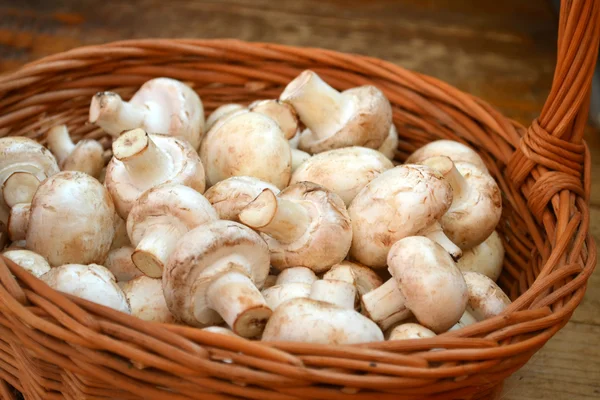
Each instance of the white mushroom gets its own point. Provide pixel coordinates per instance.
(362, 277)
(410, 331)
(142, 161)
(343, 171)
(159, 218)
(85, 156)
(466, 320)
(29, 261)
(341, 293)
(407, 200)
(90, 282)
(145, 296)
(282, 113)
(222, 112)
(18, 220)
(454, 150)
(120, 264)
(476, 205)
(121, 239)
(292, 283)
(231, 195)
(305, 225)
(486, 299)
(162, 105)
(247, 144)
(390, 144)
(485, 258)
(356, 117)
(298, 158)
(215, 273)
(270, 281)
(296, 275)
(425, 281)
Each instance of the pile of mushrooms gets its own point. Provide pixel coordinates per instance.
(281, 220)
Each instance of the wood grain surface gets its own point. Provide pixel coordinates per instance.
(501, 51)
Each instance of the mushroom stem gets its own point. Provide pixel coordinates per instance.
(339, 293)
(460, 186)
(237, 300)
(385, 305)
(18, 221)
(113, 115)
(60, 143)
(279, 218)
(152, 252)
(20, 188)
(144, 161)
(317, 103)
(436, 233)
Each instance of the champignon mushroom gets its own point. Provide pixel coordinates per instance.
(339, 292)
(282, 113)
(486, 299)
(90, 282)
(29, 261)
(407, 200)
(485, 258)
(312, 321)
(85, 156)
(343, 171)
(476, 204)
(305, 225)
(298, 158)
(70, 220)
(270, 281)
(292, 283)
(466, 320)
(247, 144)
(390, 144)
(425, 280)
(362, 277)
(162, 105)
(456, 151)
(159, 218)
(222, 112)
(142, 161)
(18, 221)
(24, 163)
(121, 239)
(356, 117)
(146, 299)
(296, 275)
(231, 195)
(120, 264)
(215, 273)
(410, 331)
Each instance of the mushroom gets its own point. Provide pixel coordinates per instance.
(298, 158)
(356, 117)
(485, 258)
(313, 321)
(292, 283)
(295, 140)
(222, 112)
(215, 273)
(362, 277)
(476, 204)
(70, 220)
(162, 105)
(146, 299)
(231, 195)
(456, 151)
(247, 144)
(343, 171)
(29, 261)
(120, 264)
(85, 156)
(90, 282)
(305, 225)
(270, 281)
(425, 281)
(282, 113)
(486, 299)
(341, 293)
(390, 144)
(18, 221)
(121, 239)
(466, 320)
(407, 200)
(24, 163)
(142, 161)
(159, 218)
(17, 245)
(410, 331)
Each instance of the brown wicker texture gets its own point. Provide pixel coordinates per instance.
(54, 346)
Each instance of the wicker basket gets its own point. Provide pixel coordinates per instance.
(54, 346)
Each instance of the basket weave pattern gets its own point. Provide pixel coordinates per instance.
(55, 346)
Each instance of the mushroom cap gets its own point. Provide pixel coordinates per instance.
(171, 204)
(29, 261)
(485, 258)
(120, 264)
(221, 112)
(202, 255)
(247, 144)
(410, 331)
(343, 171)
(470, 222)
(456, 151)
(486, 299)
(312, 321)
(278, 294)
(298, 158)
(364, 278)
(21, 154)
(185, 168)
(146, 299)
(231, 195)
(87, 156)
(328, 237)
(433, 287)
(400, 202)
(71, 220)
(296, 275)
(180, 107)
(90, 282)
(282, 113)
(390, 144)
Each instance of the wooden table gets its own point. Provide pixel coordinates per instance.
(501, 51)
